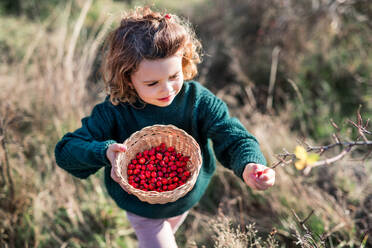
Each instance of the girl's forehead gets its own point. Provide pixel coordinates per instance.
(148, 69)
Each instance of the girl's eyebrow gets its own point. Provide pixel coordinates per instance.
(151, 81)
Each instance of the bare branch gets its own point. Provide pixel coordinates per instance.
(327, 161)
(347, 146)
(334, 124)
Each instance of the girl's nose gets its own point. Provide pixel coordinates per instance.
(167, 87)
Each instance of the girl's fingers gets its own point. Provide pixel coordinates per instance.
(112, 151)
(113, 174)
(259, 177)
(266, 179)
(118, 147)
(267, 174)
(265, 184)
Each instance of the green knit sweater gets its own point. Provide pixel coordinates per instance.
(195, 110)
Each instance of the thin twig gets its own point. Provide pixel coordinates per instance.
(302, 222)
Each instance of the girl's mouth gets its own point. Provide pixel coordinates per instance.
(165, 99)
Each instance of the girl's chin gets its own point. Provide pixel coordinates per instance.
(163, 104)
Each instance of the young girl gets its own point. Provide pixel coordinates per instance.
(149, 61)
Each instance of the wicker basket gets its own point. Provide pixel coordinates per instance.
(153, 136)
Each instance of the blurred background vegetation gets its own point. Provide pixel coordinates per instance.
(284, 67)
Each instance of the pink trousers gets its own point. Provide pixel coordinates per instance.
(156, 233)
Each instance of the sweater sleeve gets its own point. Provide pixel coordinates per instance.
(233, 145)
(83, 152)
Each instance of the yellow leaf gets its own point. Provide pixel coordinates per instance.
(300, 165)
(304, 158)
(312, 158)
(301, 153)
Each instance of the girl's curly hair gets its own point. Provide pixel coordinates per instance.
(145, 34)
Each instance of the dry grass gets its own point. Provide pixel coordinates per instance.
(44, 94)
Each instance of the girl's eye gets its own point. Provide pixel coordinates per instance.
(174, 76)
(152, 84)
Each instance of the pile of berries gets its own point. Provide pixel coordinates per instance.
(158, 169)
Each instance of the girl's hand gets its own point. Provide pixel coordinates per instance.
(258, 176)
(111, 154)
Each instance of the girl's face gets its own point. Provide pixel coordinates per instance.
(158, 81)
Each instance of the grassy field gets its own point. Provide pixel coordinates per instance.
(49, 81)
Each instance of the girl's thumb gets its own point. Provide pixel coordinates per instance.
(120, 148)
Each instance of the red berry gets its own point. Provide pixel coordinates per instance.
(159, 156)
(148, 174)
